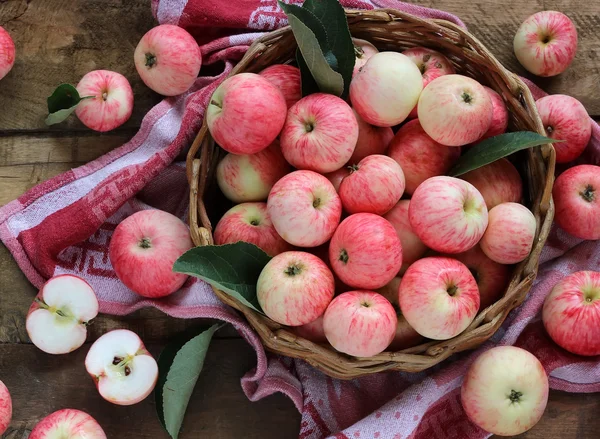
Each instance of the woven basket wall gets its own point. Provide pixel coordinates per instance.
(394, 30)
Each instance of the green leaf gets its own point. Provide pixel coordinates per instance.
(180, 365)
(232, 268)
(59, 116)
(309, 85)
(311, 21)
(62, 102)
(495, 148)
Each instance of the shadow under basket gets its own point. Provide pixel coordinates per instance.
(396, 31)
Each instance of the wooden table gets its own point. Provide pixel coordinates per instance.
(61, 40)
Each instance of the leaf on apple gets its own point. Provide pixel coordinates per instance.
(495, 148)
(180, 364)
(62, 102)
(232, 268)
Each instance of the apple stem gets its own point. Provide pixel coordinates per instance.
(145, 243)
(588, 193)
(343, 256)
(466, 97)
(358, 52)
(365, 304)
(316, 202)
(150, 60)
(515, 396)
(215, 103)
(353, 168)
(549, 129)
(104, 96)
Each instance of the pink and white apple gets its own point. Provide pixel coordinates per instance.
(419, 155)
(250, 177)
(336, 177)
(505, 391)
(108, 101)
(5, 408)
(124, 372)
(58, 318)
(374, 185)
(545, 43)
(304, 208)
(365, 251)
(571, 313)
(431, 63)
(500, 114)
(246, 113)
(491, 277)
(439, 297)
(287, 79)
(250, 222)
(371, 140)
(510, 233)
(320, 133)
(360, 323)
(67, 423)
(363, 51)
(449, 215)
(455, 110)
(168, 59)
(412, 246)
(499, 182)
(7, 52)
(143, 249)
(295, 288)
(405, 337)
(577, 201)
(565, 118)
(386, 89)
(312, 331)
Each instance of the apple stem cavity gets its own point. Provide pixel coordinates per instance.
(293, 270)
(344, 256)
(549, 129)
(452, 290)
(309, 126)
(316, 202)
(255, 222)
(216, 104)
(145, 243)
(358, 52)
(515, 396)
(365, 304)
(104, 95)
(353, 168)
(466, 97)
(588, 194)
(150, 60)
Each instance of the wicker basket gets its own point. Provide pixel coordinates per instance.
(394, 30)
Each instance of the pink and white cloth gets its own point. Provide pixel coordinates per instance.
(64, 225)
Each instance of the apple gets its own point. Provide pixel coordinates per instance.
(108, 101)
(287, 79)
(412, 246)
(246, 113)
(320, 133)
(7, 52)
(455, 110)
(449, 215)
(365, 251)
(124, 372)
(491, 277)
(250, 177)
(58, 318)
(304, 208)
(250, 222)
(545, 43)
(67, 423)
(499, 182)
(168, 59)
(419, 155)
(571, 313)
(143, 249)
(439, 297)
(374, 185)
(500, 114)
(371, 140)
(363, 51)
(405, 337)
(294, 288)
(336, 177)
(431, 63)
(360, 323)
(312, 331)
(565, 118)
(5, 408)
(505, 391)
(575, 197)
(386, 89)
(510, 233)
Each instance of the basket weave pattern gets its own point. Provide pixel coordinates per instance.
(394, 30)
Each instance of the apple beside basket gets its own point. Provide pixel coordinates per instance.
(393, 30)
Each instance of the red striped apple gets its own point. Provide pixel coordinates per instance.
(374, 185)
(505, 391)
(500, 114)
(449, 215)
(7, 52)
(439, 297)
(572, 311)
(363, 51)
(360, 323)
(499, 182)
(295, 288)
(455, 110)
(287, 79)
(365, 251)
(312, 331)
(67, 423)
(412, 247)
(319, 134)
(371, 140)
(5, 408)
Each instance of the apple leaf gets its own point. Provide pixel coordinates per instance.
(495, 148)
(309, 19)
(309, 85)
(232, 268)
(62, 102)
(180, 364)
